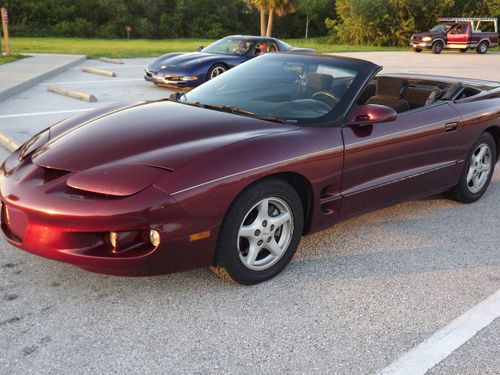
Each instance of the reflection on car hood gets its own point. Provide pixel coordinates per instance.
(162, 134)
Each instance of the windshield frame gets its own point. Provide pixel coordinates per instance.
(441, 28)
(282, 45)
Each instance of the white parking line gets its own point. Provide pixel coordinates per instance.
(104, 80)
(45, 113)
(445, 341)
(113, 66)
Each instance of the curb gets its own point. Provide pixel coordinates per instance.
(72, 93)
(8, 143)
(111, 60)
(32, 82)
(102, 72)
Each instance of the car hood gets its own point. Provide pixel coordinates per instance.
(299, 49)
(426, 33)
(176, 60)
(161, 134)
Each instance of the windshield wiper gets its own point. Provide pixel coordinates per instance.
(177, 95)
(226, 108)
(240, 111)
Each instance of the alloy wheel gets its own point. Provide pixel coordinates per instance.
(265, 233)
(217, 71)
(479, 168)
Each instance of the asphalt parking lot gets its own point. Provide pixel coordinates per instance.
(354, 300)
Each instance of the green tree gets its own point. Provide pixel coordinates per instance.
(426, 12)
(280, 8)
(270, 8)
(313, 9)
(391, 22)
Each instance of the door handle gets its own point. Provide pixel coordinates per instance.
(451, 126)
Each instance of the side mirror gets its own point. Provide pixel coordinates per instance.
(174, 97)
(200, 48)
(370, 114)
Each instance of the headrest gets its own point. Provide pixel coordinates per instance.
(391, 86)
(318, 81)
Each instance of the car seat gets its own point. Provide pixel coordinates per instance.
(418, 97)
(315, 82)
(390, 92)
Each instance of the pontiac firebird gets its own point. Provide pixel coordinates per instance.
(233, 173)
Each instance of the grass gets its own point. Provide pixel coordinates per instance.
(11, 58)
(152, 48)
(322, 45)
(94, 48)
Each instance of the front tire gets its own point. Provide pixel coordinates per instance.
(437, 47)
(215, 70)
(478, 170)
(260, 233)
(482, 48)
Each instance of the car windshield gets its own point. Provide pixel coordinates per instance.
(441, 28)
(283, 46)
(229, 46)
(282, 87)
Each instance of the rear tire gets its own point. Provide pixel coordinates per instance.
(260, 233)
(478, 170)
(463, 50)
(482, 48)
(437, 47)
(418, 50)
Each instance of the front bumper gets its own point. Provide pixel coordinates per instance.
(421, 44)
(73, 226)
(167, 81)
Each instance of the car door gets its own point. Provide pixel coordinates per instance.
(458, 37)
(391, 161)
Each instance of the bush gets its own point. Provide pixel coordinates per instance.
(79, 27)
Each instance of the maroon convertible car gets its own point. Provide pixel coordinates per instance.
(233, 173)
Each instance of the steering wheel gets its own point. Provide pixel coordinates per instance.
(326, 97)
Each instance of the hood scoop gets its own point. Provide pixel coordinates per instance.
(119, 180)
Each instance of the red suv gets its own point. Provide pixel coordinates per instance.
(458, 33)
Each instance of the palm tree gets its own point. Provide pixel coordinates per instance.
(280, 7)
(262, 6)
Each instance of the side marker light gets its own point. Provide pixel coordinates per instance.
(199, 236)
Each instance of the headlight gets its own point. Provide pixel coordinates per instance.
(426, 39)
(34, 143)
(180, 78)
(130, 240)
